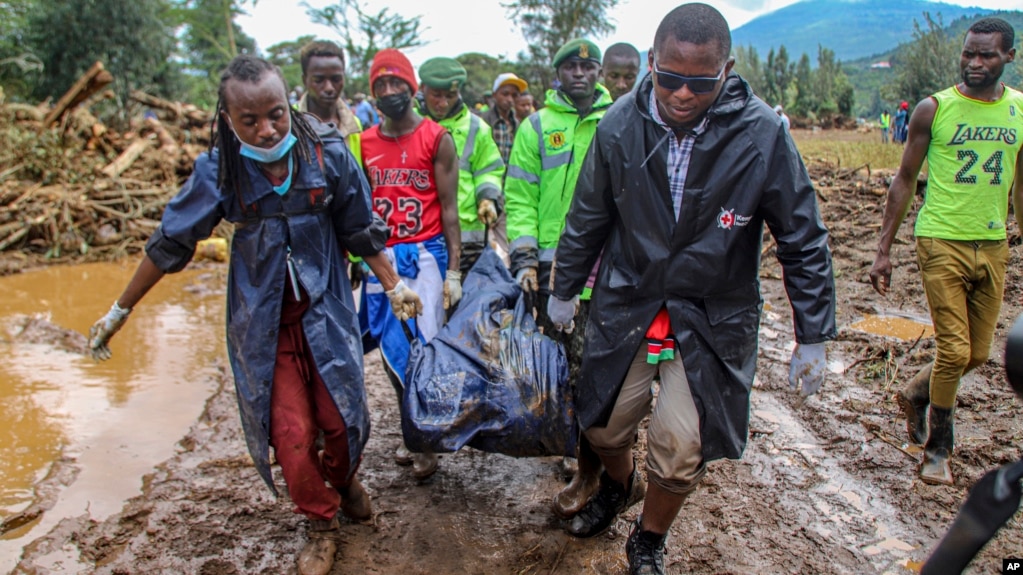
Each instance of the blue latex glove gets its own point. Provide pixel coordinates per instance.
(808, 366)
(562, 313)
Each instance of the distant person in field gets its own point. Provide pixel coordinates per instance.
(365, 111)
(901, 128)
(292, 334)
(621, 68)
(886, 124)
(681, 177)
(970, 134)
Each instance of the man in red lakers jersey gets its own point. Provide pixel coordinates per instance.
(410, 162)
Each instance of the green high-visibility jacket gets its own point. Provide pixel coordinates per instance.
(543, 167)
(480, 168)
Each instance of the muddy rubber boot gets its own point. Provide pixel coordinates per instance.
(402, 456)
(355, 502)
(317, 557)
(611, 499)
(935, 468)
(645, 550)
(913, 399)
(584, 483)
(424, 465)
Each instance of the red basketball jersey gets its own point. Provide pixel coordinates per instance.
(400, 171)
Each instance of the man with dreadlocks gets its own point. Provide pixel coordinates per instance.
(297, 204)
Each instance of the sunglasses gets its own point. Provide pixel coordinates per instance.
(697, 85)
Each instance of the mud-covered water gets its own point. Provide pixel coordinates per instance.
(100, 427)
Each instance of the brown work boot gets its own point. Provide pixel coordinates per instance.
(935, 468)
(913, 399)
(584, 483)
(317, 557)
(424, 465)
(355, 502)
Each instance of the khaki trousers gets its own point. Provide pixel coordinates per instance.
(964, 282)
(674, 458)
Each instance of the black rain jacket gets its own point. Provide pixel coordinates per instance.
(745, 171)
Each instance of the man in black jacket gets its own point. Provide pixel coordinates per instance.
(680, 179)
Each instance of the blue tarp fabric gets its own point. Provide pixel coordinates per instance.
(489, 379)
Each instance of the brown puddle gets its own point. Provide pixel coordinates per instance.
(115, 420)
(899, 327)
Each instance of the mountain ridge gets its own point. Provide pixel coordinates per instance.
(854, 29)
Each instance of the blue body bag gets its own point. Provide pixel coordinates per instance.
(489, 379)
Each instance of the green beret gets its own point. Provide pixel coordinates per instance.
(442, 74)
(578, 48)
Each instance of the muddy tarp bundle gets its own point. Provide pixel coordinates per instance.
(489, 379)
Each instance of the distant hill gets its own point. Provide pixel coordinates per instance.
(852, 28)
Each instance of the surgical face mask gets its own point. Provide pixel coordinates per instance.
(394, 106)
(268, 155)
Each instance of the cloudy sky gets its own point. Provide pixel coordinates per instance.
(484, 26)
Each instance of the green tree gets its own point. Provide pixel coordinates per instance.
(211, 38)
(481, 70)
(548, 24)
(288, 57)
(364, 34)
(748, 65)
(930, 64)
(19, 67)
(133, 39)
(806, 95)
(778, 74)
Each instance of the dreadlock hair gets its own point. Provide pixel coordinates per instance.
(993, 25)
(248, 68)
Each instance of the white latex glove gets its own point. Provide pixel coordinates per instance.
(562, 313)
(527, 279)
(452, 289)
(487, 212)
(104, 329)
(808, 366)
(405, 303)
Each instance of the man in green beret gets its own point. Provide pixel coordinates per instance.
(545, 161)
(480, 168)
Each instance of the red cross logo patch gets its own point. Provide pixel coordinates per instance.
(726, 219)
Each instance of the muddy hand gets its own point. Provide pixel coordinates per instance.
(808, 366)
(405, 303)
(104, 329)
(452, 289)
(526, 278)
(487, 212)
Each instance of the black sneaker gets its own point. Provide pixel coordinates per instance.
(601, 510)
(645, 550)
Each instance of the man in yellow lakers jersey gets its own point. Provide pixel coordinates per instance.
(970, 135)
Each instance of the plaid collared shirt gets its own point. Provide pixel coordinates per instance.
(504, 135)
(680, 151)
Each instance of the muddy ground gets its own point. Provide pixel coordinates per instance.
(826, 487)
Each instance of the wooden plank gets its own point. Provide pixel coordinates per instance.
(94, 80)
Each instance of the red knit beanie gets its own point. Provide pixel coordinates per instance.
(391, 62)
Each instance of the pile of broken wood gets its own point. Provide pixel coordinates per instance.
(73, 189)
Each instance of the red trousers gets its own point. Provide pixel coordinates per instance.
(300, 408)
